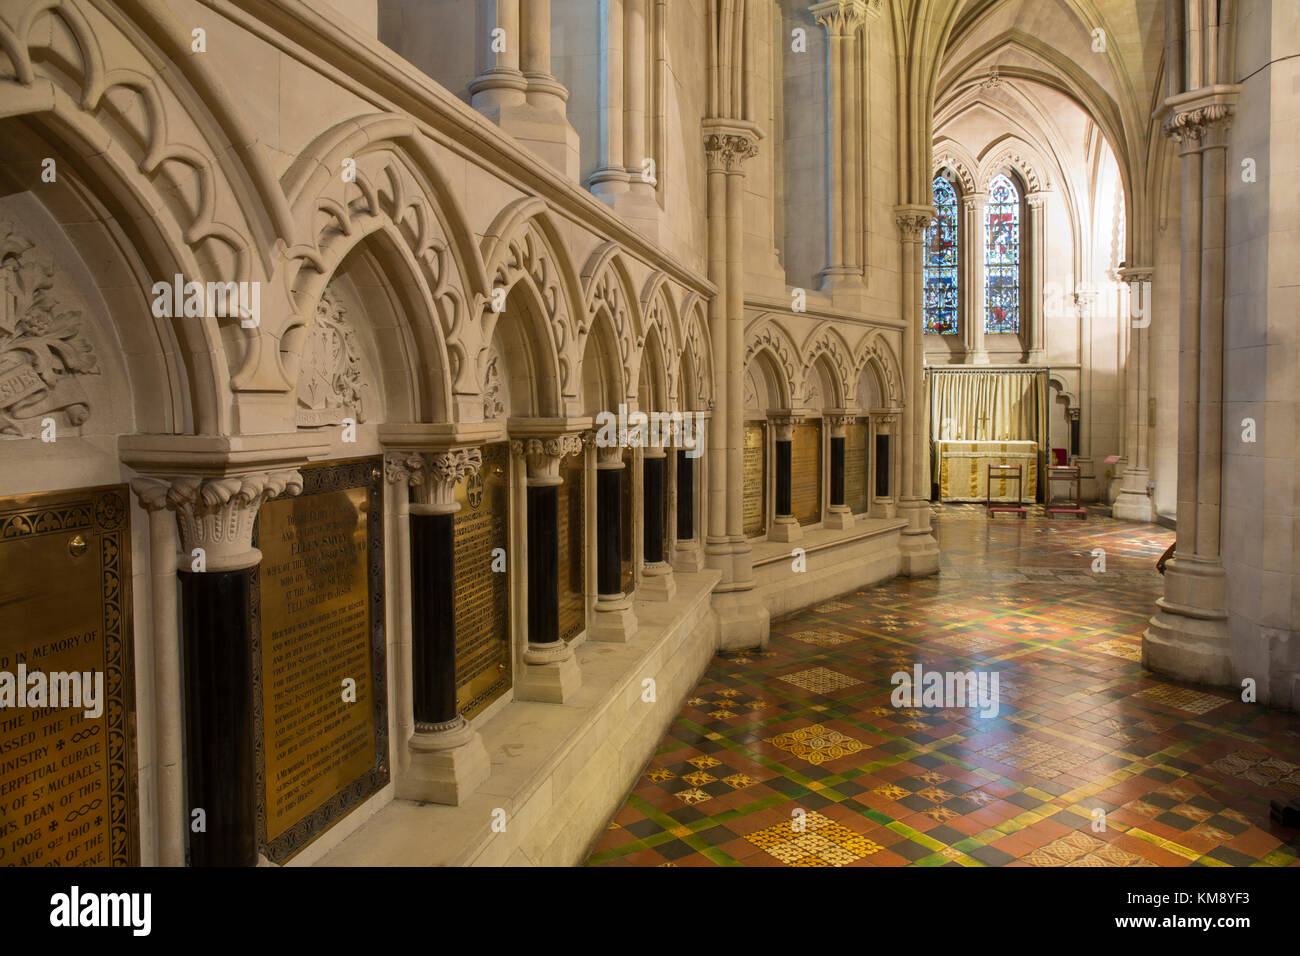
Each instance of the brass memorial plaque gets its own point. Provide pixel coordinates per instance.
(754, 486)
(318, 625)
(855, 467)
(482, 586)
(806, 472)
(67, 706)
(571, 526)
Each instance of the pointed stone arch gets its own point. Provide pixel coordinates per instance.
(659, 312)
(523, 253)
(767, 337)
(697, 371)
(827, 343)
(608, 287)
(876, 357)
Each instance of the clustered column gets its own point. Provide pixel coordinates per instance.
(1134, 501)
(973, 206)
(843, 20)
(920, 552)
(1188, 636)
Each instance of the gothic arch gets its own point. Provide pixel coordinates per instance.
(1013, 153)
(659, 312)
(768, 338)
(374, 177)
(875, 356)
(607, 286)
(951, 155)
(523, 254)
(695, 343)
(827, 343)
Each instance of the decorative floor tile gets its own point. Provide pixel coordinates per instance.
(1184, 698)
(1185, 775)
(816, 744)
(820, 680)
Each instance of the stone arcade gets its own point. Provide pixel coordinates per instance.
(310, 333)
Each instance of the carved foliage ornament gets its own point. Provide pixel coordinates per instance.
(42, 349)
(729, 150)
(1192, 126)
(331, 384)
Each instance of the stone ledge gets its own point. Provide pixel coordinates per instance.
(559, 771)
(838, 562)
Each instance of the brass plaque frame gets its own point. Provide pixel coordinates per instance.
(806, 456)
(856, 466)
(101, 518)
(490, 488)
(754, 479)
(365, 473)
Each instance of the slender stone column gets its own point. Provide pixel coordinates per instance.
(516, 89)
(216, 515)
(169, 720)
(717, 546)
(500, 84)
(613, 619)
(973, 207)
(657, 581)
(1036, 347)
(843, 21)
(635, 92)
(550, 672)
(839, 516)
(446, 759)
(1134, 501)
(1188, 636)
(743, 619)
(784, 525)
(611, 179)
(920, 552)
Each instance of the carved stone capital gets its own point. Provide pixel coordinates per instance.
(884, 423)
(1199, 126)
(838, 423)
(543, 456)
(404, 468)
(728, 151)
(1132, 274)
(912, 220)
(445, 469)
(609, 457)
(216, 514)
(842, 17)
(783, 426)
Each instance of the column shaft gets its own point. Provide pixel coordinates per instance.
(433, 622)
(782, 503)
(653, 512)
(219, 715)
(543, 564)
(609, 523)
(1189, 357)
(685, 497)
(837, 471)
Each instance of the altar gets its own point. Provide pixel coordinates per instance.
(963, 469)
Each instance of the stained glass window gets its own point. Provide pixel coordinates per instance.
(1002, 258)
(940, 269)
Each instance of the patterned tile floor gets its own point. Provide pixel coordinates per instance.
(795, 755)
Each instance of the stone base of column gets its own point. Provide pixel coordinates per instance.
(657, 582)
(1133, 503)
(845, 286)
(550, 674)
(1187, 638)
(638, 206)
(883, 508)
(688, 558)
(444, 765)
(839, 518)
(784, 528)
(919, 550)
(612, 620)
(743, 620)
(977, 357)
(546, 131)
